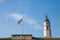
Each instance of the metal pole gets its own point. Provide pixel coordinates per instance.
(22, 31)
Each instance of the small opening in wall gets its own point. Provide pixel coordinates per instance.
(47, 27)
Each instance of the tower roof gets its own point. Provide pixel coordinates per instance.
(46, 19)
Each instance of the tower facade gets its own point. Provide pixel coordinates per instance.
(47, 28)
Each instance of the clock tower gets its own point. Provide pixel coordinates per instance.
(47, 28)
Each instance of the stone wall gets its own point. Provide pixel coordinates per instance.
(22, 37)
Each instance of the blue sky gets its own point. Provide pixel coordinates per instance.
(33, 13)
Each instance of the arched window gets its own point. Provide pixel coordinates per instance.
(47, 27)
(46, 23)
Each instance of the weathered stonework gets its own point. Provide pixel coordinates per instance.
(21, 37)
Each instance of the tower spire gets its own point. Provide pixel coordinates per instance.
(46, 19)
(46, 16)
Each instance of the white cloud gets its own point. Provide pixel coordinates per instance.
(27, 19)
(16, 16)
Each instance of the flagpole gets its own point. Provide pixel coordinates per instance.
(22, 31)
(22, 28)
(20, 22)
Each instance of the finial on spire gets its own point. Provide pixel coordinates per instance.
(46, 19)
(46, 16)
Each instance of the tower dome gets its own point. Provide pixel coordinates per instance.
(46, 19)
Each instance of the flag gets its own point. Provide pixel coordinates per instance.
(20, 22)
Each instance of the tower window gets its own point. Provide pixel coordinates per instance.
(46, 23)
(47, 27)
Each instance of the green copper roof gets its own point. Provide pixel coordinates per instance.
(46, 19)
